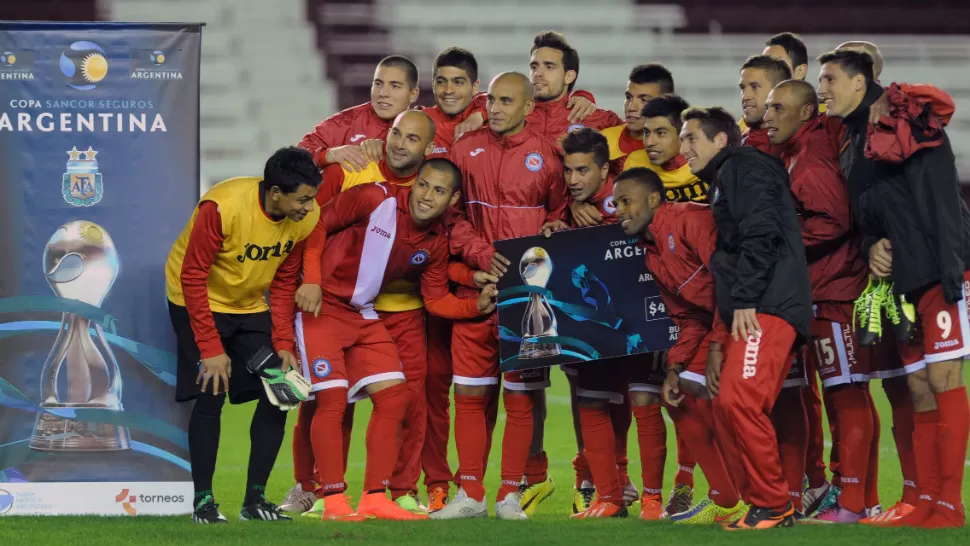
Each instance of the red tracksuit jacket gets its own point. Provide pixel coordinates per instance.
(679, 258)
(351, 126)
(444, 125)
(603, 201)
(511, 186)
(551, 119)
(835, 268)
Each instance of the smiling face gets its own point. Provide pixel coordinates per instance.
(453, 89)
(696, 147)
(840, 92)
(754, 85)
(431, 195)
(660, 140)
(390, 93)
(408, 141)
(635, 206)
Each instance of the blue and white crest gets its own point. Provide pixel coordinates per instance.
(608, 205)
(670, 241)
(534, 161)
(321, 367)
(81, 185)
(575, 127)
(419, 257)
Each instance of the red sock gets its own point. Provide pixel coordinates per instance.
(901, 401)
(622, 417)
(929, 481)
(815, 454)
(599, 445)
(516, 441)
(855, 427)
(326, 439)
(872, 472)
(791, 427)
(536, 468)
(834, 453)
(652, 437)
(491, 417)
(954, 429)
(692, 424)
(685, 462)
(383, 442)
(302, 446)
(470, 439)
(581, 466)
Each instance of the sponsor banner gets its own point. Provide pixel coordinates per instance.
(578, 296)
(99, 169)
(96, 499)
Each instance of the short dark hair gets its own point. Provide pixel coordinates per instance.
(288, 169)
(555, 40)
(446, 166)
(645, 176)
(459, 58)
(803, 91)
(853, 62)
(587, 141)
(405, 64)
(793, 45)
(776, 69)
(653, 73)
(716, 120)
(669, 106)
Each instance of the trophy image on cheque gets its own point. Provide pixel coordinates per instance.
(539, 320)
(80, 263)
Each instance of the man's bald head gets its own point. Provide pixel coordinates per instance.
(866, 47)
(511, 97)
(802, 93)
(791, 104)
(409, 140)
(417, 122)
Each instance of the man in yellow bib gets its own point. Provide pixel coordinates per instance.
(245, 237)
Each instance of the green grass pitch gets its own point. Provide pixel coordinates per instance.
(550, 526)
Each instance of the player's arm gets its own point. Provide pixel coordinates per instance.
(557, 199)
(755, 200)
(434, 290)
(282, 302)
(939, 100)
(329, 133)
(824, 199)
(461, 274)
(204, 244)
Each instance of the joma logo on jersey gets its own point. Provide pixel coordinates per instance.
(751, 356)
(257, 253)
(381, 232)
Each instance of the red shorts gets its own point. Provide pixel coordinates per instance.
(945, 326)
(696, 371)
(892, 359)
(838, 355)
(475, 357)
(339, 351)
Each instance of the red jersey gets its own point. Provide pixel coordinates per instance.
(370, 240)
(551, 119)
(679, 258)
(603, 201)
(351, 126)
(444, 125)
(835, 267)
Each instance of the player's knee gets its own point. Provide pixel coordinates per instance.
(643, 398)
(471, 390)
(208, 406)
(945, 376)
(595, 403)
(379, 386)
(693, 388)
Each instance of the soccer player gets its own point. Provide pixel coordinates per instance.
(679, 239)
(763, 297)
(371, 237)
(512, 185)
(245, 237)
(900, 205)
(646, 82)
(459, 107)
(838, 276)
(339, 138)
(759, 74)
(790, 48)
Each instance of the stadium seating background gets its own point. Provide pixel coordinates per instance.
(273, 69)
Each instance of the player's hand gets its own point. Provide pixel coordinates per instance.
(373, 149)
(218, 369)
(500, 265)
(745, 324)
(585, 215)
(471, 123)
(879, 108)
(550, 227)
(351, 157)
(579, 108)
(487, 299)
(484, 278)
(715, 358)
(289, 361)
(881, 259)
(671, 389)
(309, 298)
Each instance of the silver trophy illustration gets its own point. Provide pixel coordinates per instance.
(539, 320)
(80, 263)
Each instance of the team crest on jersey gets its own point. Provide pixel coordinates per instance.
(321, 367)
(575, 127)
(670, 241)
(419, 257)
(608, 205)
(533, 161)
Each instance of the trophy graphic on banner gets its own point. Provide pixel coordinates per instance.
(539, 320)
(81, 372)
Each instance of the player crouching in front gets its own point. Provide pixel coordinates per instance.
(372, 235)
(245, 236)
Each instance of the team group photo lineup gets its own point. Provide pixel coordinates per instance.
(775, 287)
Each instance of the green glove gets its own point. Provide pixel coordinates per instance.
(285, 391)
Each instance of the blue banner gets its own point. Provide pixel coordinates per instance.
(99, 165)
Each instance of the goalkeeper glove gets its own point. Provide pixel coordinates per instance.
(285, 390)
